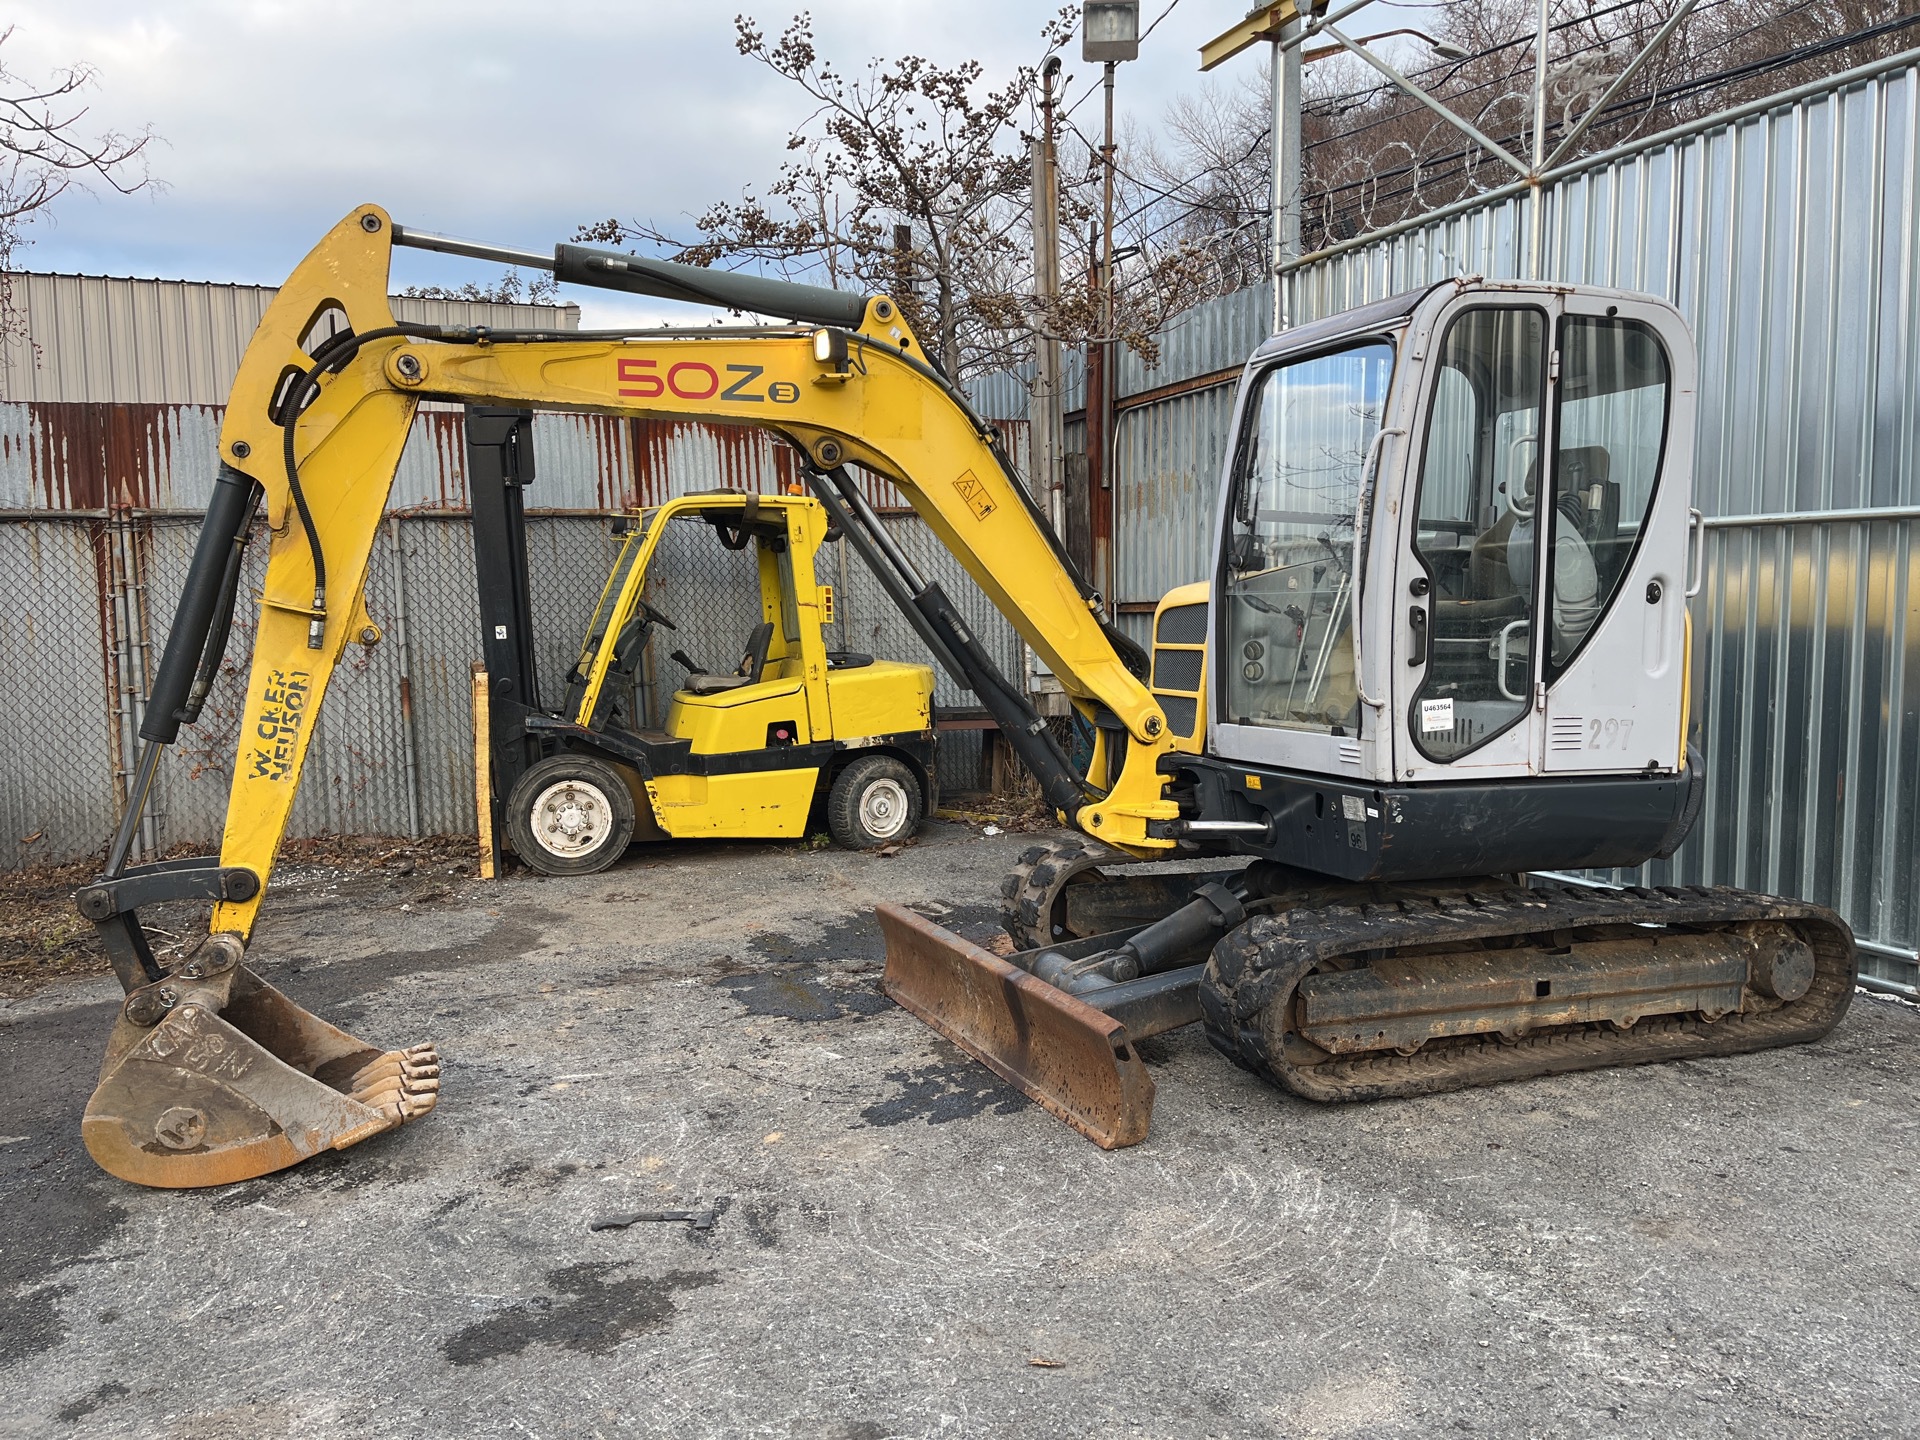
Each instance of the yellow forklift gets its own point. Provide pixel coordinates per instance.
(791, 733)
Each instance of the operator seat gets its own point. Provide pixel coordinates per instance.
(1488, 577)
(751, 666)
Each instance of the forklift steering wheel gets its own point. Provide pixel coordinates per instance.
(656, 617)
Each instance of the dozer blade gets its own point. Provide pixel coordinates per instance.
(1075, 1060)
(224, 1091)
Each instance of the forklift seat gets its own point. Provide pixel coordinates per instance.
(752, 664)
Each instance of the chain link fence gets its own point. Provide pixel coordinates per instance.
(91, 601)
(56, 707)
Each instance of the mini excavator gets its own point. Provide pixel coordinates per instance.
(1444, 644)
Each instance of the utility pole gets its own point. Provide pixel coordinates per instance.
(1286, 164)
(1280, 23)
(1046, 427)
(1106, 223)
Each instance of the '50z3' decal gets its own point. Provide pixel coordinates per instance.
(697, 380)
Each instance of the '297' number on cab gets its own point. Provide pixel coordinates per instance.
(697, 380)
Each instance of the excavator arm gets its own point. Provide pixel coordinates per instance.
(858, 395)
(211, 1075)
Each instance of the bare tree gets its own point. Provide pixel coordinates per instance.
(914, 178)
(46, 149)
(907, 143)
(509, 289)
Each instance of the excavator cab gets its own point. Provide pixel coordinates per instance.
(1453, 551)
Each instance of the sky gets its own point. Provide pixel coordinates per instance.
(504, 122)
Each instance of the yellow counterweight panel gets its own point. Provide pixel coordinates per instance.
(1180, 664)
(884, 698)
(737, 720)
(755, 805)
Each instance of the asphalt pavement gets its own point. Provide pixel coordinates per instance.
(899, 1244)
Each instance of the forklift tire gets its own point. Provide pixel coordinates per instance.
(570, 815)
(874, 801)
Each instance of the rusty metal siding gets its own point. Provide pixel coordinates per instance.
(1168, 455)
(109, 339)
(61, 457)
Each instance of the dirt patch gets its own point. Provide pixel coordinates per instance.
(1021, 813)
(44, 940)
(42, 937)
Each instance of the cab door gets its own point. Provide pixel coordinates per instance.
(1468, 613)
(1614, 662)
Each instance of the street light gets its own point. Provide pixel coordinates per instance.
(1109, 34)
(1110, 30)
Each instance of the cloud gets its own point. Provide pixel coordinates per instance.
(494, 120)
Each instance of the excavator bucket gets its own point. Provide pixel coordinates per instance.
(227, 1086)
(1075, 1060)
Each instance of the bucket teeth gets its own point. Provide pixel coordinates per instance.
(405, 1083)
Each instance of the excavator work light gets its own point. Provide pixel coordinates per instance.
(830, 348)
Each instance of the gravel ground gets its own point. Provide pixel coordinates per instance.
(905, 1246)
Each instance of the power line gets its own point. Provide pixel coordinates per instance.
(1797, 55)
(1488, 84)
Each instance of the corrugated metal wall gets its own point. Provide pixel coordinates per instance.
(93, 339)
(1791, 241)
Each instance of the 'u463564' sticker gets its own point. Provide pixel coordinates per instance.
(276, 729)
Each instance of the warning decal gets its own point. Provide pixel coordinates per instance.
(975, 494)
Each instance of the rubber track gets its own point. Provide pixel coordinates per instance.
(1258, 966)
(1029, 891)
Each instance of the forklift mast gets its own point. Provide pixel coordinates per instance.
(499, 468)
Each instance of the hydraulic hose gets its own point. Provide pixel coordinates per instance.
(334, 352)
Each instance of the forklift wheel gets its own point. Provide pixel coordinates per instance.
(874, 800)
(570, 815)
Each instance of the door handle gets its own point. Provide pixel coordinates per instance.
(1500, 669)
(1417, 623)
(1368, 472)
(1697, 523)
